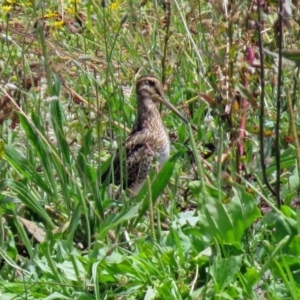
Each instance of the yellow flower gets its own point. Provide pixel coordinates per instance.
(7, 8)
(235, 106)
(51, 15)
(59, 24)
(115, 5)
(11, 1)
(71, 10)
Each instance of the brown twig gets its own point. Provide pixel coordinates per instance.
(278, 104)
(262, 103)
(166, 40)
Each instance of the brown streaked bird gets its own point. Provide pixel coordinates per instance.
(148, 138)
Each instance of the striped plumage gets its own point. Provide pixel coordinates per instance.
(148, 138)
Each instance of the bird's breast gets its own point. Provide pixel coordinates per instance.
(163, 156)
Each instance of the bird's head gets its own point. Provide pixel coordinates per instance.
(149, 86)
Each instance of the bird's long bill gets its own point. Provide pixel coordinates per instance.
(174, 109)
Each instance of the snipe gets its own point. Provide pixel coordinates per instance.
(148, 138)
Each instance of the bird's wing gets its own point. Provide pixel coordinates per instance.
(132, 160)
(138, 137)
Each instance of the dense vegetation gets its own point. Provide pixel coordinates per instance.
(220, 220)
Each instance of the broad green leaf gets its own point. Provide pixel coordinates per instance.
(294, 248)
(70, 272)
(227, 222)
(182, 243)
(285, 224)
(56, 296)
(224, 270)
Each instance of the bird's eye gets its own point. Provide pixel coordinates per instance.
(151, 82)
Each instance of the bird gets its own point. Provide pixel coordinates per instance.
(148, 139)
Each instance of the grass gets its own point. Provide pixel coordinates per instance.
(209, 225)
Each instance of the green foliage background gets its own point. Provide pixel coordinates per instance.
(206, 226)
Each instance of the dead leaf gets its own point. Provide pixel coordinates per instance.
(38, 233)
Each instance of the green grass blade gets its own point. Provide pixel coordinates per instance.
(23, 167)
(27, 197)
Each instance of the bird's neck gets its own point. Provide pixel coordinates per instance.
(148, 115)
